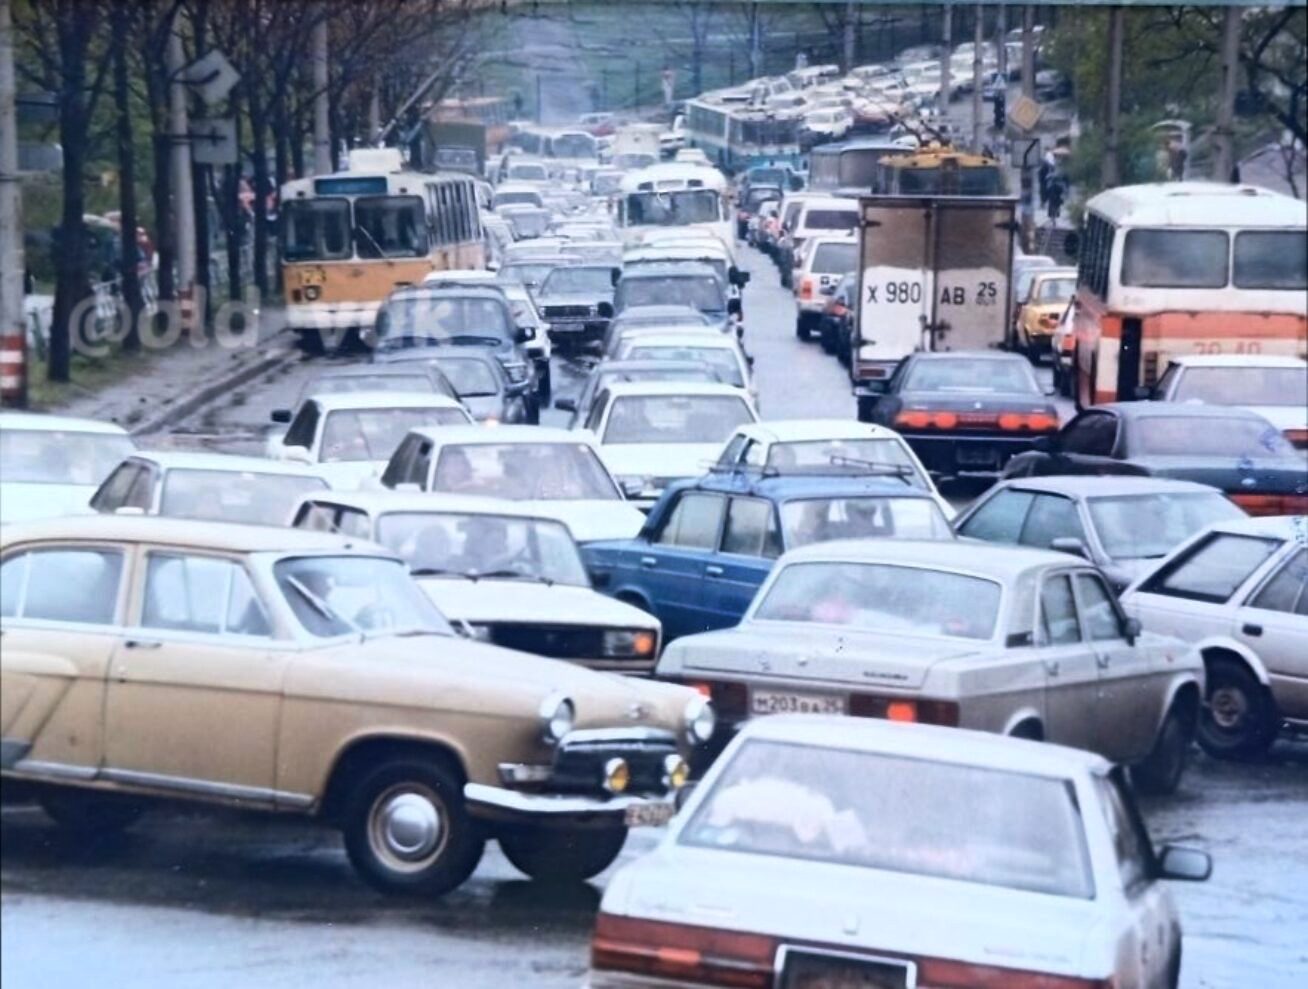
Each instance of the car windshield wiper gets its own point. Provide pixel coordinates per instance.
(475, 338)
(438, 572)
(515, 575)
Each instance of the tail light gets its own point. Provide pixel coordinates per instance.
(927, 711)
(806, 287)
(940, 973)
(922, 419)
(699, 955)
(1068, 343)
(730, 699)
(1272, 504)
(1297, 438)
(1036, 422)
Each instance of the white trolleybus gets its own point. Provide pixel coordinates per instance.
(675, 195)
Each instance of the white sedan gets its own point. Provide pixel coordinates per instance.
(1239, 592)
(348, 438)
(815, 446)
(1276, 387)
(824, 852)
(53, 464)
(652, 433)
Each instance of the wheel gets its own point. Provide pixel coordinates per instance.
(865, 409)
(1239, 720)
(544, 384)
(827, 337)
(802, 328)
(90, 813)
(311, 342)
(552, 855)
(531, 406)
(407, 830)
(1160, 771)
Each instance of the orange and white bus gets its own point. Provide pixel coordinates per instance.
(348, 239)
(1185, 268)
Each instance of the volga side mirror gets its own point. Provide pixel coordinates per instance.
(614, 275)
(1070, 544)
(566, 404)
(733, 307)
(280, 415)
(1184, 864)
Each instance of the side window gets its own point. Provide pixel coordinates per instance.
(200, 594)
(1058, 612)
(301, 431)
(596, 415)
(754, 451)
(1000, 519)
(694, 522)
(352, 522)
(1287, 591)
(1051, 517)
(62, 585)
(731, 452)
(1092, 434)
(141, 493)
(420, 466)
(1213, 569)
(1126, 830)
(113, 492)
(316, 516)
(1098, 613)
(397, 469)
(751, 529)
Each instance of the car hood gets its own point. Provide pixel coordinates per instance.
(350, 474)
(24, 502)
(573, 299)
(809, 652)
(828, 904)
(521, 602)
(1269, 475)
(454, 673)
(482, 407)
(594, 518)
(660, 459)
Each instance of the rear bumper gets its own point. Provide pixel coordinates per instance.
(960, 454)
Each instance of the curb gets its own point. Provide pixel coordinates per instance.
(191, 402)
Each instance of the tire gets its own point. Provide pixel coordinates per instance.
(802, 327)
(531, 406)
(1161, 770)
(1239, 720)
(557, 856)
(311, 342)
(827, 337)
(544, 384)
(865, 409)
(407, 830)
(88, 813)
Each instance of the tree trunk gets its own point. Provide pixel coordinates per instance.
(128, 265)
(162, 187)
(259, 143)
(200, 185)
(72, 278)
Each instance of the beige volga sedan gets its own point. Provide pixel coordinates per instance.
(1022, 642)
(303, 673)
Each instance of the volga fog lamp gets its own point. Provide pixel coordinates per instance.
(675, 772)
(617, 775)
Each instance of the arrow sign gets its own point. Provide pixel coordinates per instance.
(211, 76)
(213, 140)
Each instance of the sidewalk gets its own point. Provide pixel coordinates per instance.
(166, 386)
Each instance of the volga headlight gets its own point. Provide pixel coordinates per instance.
(629, 642)
(557, 716)
(699, 720)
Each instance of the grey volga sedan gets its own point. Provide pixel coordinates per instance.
(1123, 525)
(1021, 642)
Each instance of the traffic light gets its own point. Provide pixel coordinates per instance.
(1000, 110)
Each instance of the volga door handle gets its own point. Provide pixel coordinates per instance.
(1254, 630)
(1051, 668)
(1103, 662)
(648, 562)
(143, 643)
(713, 570)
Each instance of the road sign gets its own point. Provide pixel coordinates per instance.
(213, 140)
(211, 76)
(1025, 113)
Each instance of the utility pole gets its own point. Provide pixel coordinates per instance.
(1225, 131)
(183, 192)
(851, 16)
(374, 110)
(322, 137)
(13, 331)
(1001, 39)
(978, 42)
(1028, 51)
(947, 39)
(1112, 174)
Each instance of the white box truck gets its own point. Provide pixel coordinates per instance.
(933, 275)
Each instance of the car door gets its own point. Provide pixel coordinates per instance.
(1071, 673)
(1129, 705)
(1085, 446)
(672, 567)
(195, 685)
(1273, 622)
(60, 621)
(751, 541)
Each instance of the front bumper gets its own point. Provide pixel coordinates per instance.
(592, 328)
(497, 803)
(954, 454)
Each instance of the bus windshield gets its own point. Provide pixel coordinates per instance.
(673, 208)
(573, 146)
(390, 227)
(316, 229)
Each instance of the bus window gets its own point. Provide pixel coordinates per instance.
(1275, 259)
(315, 229)
(1175, 259)
(390, 226)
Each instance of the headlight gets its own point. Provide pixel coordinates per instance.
(675, 772)
(617, 775)
(700, 720)
(557, 716)
(638, 642)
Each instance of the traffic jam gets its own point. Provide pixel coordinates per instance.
(725, 511)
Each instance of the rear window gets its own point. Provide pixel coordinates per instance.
(835, 259)
(1272, 259)
(831, 219)
(1175, 259)
(1214, 569)
(876, 811)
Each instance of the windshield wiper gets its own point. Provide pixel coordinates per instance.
(375, 246)
(438, 572)
(473, 338)
(515, 575)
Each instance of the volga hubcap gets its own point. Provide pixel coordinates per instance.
(407, 827)
(1229, 707)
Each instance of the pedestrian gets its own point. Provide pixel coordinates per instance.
(1057, 190)
(1048, 166)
